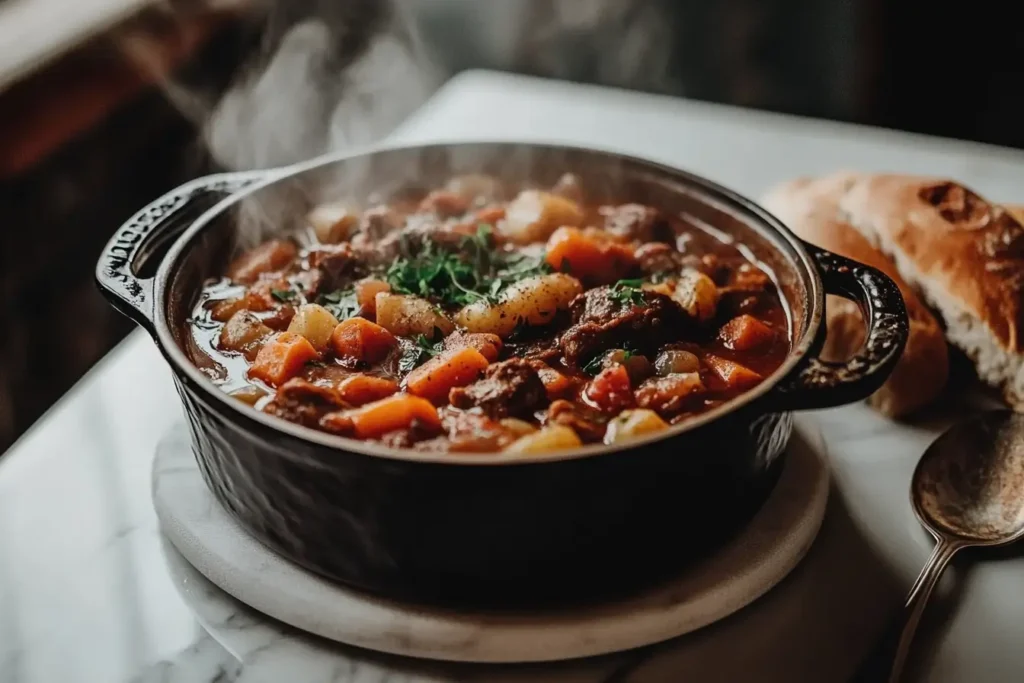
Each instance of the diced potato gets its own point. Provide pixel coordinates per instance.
(534, 215)
(697, 294)
(249, 394)
(517, 427)
(366, 294)
(553, 437)
(315, 323)
(333, 222)
(408, 316)
(630, 424)
(534, 300)
(243, 334)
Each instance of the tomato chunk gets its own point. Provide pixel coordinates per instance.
(611, 390)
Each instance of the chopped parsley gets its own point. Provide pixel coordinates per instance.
(628, 292)
(424, 349)
(284, 295)
(597, 363)
(476, 271)
(341, 303)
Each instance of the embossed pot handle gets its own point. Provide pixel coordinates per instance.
(135, 243)
(823, 384)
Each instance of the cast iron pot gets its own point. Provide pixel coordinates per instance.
(482, 530)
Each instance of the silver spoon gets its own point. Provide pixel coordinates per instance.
(967, 491)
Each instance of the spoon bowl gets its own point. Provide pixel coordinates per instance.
(967, 491)
(969, 484)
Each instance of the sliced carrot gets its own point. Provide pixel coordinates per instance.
(439, 375)
(268, 257)
(362, 389)
(391, 413)
(588, 258)
(360, 339)
(487, 344)
(555, 383)
(611, 390)
(734, 375)
(282, 358)
(366, 294)
(745, 332)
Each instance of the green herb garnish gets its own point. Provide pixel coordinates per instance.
(475, 272)
(341, 303)
(284, 295)
(596, 363)
(628, 292)
(425, 348)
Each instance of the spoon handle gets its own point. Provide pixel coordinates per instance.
(887, 658)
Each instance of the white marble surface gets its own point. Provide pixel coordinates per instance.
(86, 593)
(737, 574)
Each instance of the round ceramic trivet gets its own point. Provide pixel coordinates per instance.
(737, 574)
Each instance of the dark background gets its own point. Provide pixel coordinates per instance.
(90, 138)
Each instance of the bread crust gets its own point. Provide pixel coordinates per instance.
(961, 250)
(812, 209)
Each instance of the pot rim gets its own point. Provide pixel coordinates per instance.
(771, 227)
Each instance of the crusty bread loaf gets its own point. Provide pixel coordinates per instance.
(963, 254)
(811, 208)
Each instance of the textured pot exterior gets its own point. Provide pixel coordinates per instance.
(500, 536)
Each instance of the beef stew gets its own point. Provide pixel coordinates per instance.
(459, 320)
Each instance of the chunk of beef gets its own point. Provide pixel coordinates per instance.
(469, 433)
(637, 222)
(339, 266)
(510, 388)
(658, 257)
(605, 321)
(671, 394)
(304, 403)
(588, 423)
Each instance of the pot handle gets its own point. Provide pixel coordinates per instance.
(824, 384)
(142, 236)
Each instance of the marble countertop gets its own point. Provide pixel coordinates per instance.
(89, 591)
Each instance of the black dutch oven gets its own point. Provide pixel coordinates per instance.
(484, 530)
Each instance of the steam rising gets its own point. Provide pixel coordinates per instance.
(302, 105)
(329, 74)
